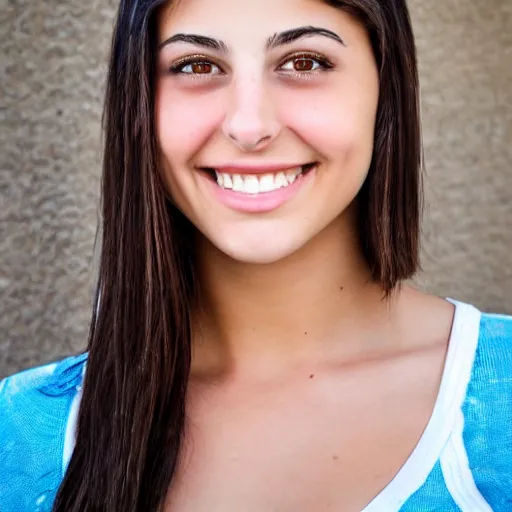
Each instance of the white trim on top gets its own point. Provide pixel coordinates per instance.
(70, 435)
(452, 392)
(445, 416)
(457, 474)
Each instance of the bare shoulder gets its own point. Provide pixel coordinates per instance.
(427, 319)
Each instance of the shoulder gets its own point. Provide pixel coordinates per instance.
(491, 375)
(489, 393)
(486, 340)
(487, 411)
(34, 410)
(35, 387)
(496, 331)
(493, 358)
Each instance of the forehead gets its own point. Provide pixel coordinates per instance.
(245, 17)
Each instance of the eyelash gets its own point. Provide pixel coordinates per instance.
(324, 65)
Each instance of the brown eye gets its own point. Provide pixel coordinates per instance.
(195, 67)
(201, 68)
(303, 64)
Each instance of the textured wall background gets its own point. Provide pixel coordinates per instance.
(53, 57)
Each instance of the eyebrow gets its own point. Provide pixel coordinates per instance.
(197, 40)
(278, 39)
(294, 34)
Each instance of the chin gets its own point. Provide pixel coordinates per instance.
(258, 251)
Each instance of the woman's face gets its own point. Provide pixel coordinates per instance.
(265, 119)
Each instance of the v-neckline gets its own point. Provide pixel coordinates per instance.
(418, 466)
(456, 375)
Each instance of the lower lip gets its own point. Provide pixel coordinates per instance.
(263, 201)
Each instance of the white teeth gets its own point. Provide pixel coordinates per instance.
(238, 183)
(280, 180)
(291, 175)
(228, 182)
(254, 184)
(267, 183)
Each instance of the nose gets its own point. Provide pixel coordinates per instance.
(250, 122)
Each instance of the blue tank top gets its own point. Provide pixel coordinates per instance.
(462, 462)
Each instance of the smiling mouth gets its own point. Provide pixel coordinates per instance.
(258, 183)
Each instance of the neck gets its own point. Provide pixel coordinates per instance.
(252, 316)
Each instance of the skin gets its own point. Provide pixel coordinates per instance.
(308, 391)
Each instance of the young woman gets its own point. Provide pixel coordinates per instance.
(254, 346)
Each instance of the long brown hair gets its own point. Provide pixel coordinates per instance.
(132, 414)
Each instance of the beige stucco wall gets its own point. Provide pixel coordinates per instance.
(53, 55)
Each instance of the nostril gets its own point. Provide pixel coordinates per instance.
(248, 145)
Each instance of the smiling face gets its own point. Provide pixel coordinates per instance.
(265, 119)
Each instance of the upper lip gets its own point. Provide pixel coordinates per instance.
(253, 168)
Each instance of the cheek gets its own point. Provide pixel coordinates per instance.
(184, 123)
(338, 125)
